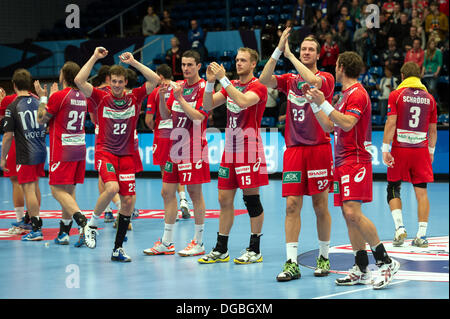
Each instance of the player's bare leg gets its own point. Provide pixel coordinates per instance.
(32, 202)
(423, 211)
(124, 218)
(323, 222)
(226, 219)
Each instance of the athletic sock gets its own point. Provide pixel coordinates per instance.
(422, 231)
(254, 242)
(122, 227)
(36, 223)
(324, 247)
(167, 238)
(20, 213)
(291, 251)
(380, 254)
(222, 243)
(182, 195)
(27, 218)
(198, 235)
(93, 221)
(398, 219)
(361, 259)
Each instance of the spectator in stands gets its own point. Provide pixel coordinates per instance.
(367, 79)
(329, 54)
(416, 53)
(396, 14)
(323, 7)
(388, 7)
(436, 20)
(407, 8)
(173, 58)
(386, 85)
(392, 56)
(334, 10)
(344, 15)
(363, 41)
(407, 42)
(196, 38)
(342, 37)
(420, 6)
(355, 12)
(324, 29)
(167, 24)
(303, 14)
(431, 66)
(402, 28)
(150, 23)
(444, 6)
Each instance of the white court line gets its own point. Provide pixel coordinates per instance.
(357, 290)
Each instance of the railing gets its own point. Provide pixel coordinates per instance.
(119, 15)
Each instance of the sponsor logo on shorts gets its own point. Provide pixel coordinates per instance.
(360, 176)
(199, 164)
(168, 167)
(185, 167)
(345, 179)
(18, 167)
(110, 168)
(257, 164)
(154, 148)
(224, 172)
(54, 166)
(317, 173)
(126, 177)
(292, 177)
(242, 170)
(336, 188)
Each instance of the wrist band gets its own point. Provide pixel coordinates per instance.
(314, 107)
(209, 87)
(327, 107)
(276, 54)
(431, 149)
(225, 82)
(385, 148)
(43, 100)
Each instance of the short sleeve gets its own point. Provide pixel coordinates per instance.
(8, 124)
(199, 104)
(152, 101)
(327, 86)
(392, 103)
(54, 103)
(95, 99)
(433, 113)
(282, 82)
(259, 89)
(140, 93)
(356, 104)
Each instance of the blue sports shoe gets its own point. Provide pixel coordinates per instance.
(80, 242)
(62, 239)
(19, 223)
(120, 255)
(135, 214)
(109, 217)
(33, 236)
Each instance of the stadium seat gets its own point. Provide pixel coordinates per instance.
(375, 107)
(261, 11)
(284, 17)
(377, 120)
(376, 70)
(274, 9)
(443, 118)
(273, 19)
(246, 21)
(268, 122)
(259, 21)
(443, 79)
(248, 11)
(374, 94)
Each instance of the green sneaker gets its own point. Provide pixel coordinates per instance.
(323, 267)
(290, 271)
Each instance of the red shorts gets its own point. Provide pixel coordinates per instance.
(66, 173)
(161, 150)
(120, 169)
(353, 182)
(137, 162)
(411, 165)
(11, 161)
(242, 174)
(29, 173)
(307, 170)
(186, 173)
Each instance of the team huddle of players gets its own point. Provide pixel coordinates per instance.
(178, 113)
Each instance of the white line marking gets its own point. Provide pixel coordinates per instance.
(357, 290)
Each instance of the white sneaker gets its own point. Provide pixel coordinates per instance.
(193, 249)
(355, 277)
(160, 249)
(248, 257)
(90, 236)
(399, 237)
(214, 257)
(184, 207)
(386, 274)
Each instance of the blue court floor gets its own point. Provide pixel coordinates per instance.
(45, 270)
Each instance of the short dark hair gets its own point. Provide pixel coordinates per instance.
(118, 70)
(165, 71)
(352, 63)
(192, 54)
(132, 79)
(410, 69)
(69, 71)
(22, 79)
(102, 73)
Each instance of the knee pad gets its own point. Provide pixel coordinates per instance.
(393, 190)
(253, 205)
(420, 185)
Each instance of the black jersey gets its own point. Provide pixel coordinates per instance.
(21, 119)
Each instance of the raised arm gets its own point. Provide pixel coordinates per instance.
(83, 75)
(163, 109)
(152, 78)
(42, 116)
(191, 112)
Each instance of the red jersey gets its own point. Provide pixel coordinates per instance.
(350, 147)
(92, 107)
(186, 133)
(117, 119)
(7, 100)
(302, 127)
(162, 127)
(243, 125)
(415, 110)
(67, 138)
